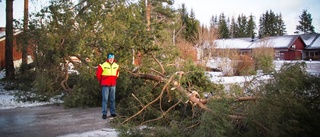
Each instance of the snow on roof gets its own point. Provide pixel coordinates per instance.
(275, 42)
(3, 34)
(309, 38)
(315, 44)
(235, 43)
(248, 43)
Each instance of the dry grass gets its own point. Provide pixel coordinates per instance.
(187, 51)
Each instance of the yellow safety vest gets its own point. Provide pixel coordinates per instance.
(110, 69)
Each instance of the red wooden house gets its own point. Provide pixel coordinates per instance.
(16, 53)
(288, 47)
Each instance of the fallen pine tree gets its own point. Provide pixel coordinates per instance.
(280, 107)
(173, 85)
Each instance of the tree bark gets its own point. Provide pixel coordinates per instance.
(25, 42)
(9, 40)
(148, 14)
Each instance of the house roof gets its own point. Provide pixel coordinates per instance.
(309, 38)
(3, 34)
(233, 43)
(249, 43)
(315, 44)
(276, 41)
(312, 40)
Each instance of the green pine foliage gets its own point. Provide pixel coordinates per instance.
(223, 26)
(271, 24)
(242, 24)
(251, 26)
(288, 106)
(305, 24)
(190, 24)
(143, 92)
(86, 91)
(90, 30)
(217, 123)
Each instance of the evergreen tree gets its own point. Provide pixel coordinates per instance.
(223, 27)
(191, 25)
(281, 27)
(251, 25)
(262, 29)
(242, 23)
(214, 22)
(234, 29)
(271, 25)
(305, 24)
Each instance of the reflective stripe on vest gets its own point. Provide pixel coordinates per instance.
(109, 69)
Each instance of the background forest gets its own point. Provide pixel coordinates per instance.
(154, 44)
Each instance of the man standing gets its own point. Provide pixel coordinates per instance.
(107, 74)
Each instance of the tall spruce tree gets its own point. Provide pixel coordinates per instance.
(234, 29)
(251, 25)
(242, 24)
(214, 21)
(190, 32)
(305, 24)
(271, 25)
(262, 29)
(223, 27)
(281, 27)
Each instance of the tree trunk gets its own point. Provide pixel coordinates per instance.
(9, 40)
(25, 42)
(148, 14)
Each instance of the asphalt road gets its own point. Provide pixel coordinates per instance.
(50, 121)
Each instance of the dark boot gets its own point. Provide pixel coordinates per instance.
(104, 116)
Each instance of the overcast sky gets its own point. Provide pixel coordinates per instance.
(290, 10)
(205, 9)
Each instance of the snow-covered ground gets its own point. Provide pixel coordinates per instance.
(7, 100)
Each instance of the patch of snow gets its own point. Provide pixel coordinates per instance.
(105, 132)
(7, 101)
(17, 63)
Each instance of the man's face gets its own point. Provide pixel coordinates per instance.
(111, 60)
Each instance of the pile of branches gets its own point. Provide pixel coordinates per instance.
(172, 83)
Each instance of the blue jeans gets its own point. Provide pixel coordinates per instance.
(106, 91)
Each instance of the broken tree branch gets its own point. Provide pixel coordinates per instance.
(163, 71)
(163, 89)
(163, 114)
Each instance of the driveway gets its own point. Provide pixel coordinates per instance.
(50, 121)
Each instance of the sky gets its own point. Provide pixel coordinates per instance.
(290, 10)
(205, 9)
